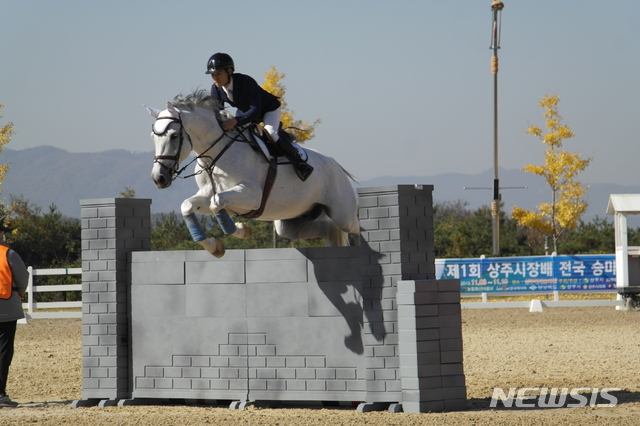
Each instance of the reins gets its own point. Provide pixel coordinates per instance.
(175, 172)
(240, 136)
(209, 168)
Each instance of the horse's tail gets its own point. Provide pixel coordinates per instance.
(346, 172)
(336, 236)
(332, 234)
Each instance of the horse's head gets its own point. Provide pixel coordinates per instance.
(172, 144)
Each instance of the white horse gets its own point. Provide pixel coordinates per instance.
(231, 175)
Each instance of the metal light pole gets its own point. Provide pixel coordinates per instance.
(496, 8)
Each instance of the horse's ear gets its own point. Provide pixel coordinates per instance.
(172, 109)
(153, 112)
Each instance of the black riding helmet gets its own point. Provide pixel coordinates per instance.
(218, 62)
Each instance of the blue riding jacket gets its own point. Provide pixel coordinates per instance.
(251, 100)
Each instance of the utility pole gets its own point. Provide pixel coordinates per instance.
(496, 9)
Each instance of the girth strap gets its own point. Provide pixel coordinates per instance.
(271, 178)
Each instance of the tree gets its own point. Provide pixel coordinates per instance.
(44, 240)
(595, 237)
(6, 132)
(171, 233)
(302, 130)
(460, 232)
(560, 170)
(128, 192)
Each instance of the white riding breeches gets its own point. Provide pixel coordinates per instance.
(271, 122)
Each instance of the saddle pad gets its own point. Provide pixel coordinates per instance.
(263, 147)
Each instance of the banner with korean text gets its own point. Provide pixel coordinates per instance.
(533, 273)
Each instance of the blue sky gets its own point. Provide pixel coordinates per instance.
(402, 88)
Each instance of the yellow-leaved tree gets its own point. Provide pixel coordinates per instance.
(559, 170)
(6, 132)
(302, 130)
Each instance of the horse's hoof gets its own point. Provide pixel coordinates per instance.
(213, 246)
(245, 231)
(219, 250)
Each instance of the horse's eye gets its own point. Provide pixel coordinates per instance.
(174, 135)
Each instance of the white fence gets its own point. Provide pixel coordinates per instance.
(32, 289)
(538, 302)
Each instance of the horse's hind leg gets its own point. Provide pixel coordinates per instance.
(289, 228)
(303, 229)
(345, 215)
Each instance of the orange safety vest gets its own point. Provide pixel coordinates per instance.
(6, 276)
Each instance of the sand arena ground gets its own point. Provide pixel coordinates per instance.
(595, 347)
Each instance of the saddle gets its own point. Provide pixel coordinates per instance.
(258, 142)
(261, 141)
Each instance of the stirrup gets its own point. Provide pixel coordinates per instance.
(303, 170)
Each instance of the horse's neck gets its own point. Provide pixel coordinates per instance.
(205, 133)
(208, 138)
(223, 147)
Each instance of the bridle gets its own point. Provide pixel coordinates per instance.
(174, 172)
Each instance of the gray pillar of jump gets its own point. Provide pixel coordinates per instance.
(402, 336)
(430, 346)
(394, 223)
(111, 229)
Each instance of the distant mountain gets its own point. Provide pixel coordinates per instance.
(47, 175)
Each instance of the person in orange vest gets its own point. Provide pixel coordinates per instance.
(14, 278)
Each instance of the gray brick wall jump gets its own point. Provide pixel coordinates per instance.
(367, 323)
(253, 325)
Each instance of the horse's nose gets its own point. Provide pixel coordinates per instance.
(160, 180)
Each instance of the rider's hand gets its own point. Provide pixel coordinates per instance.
(229, 124)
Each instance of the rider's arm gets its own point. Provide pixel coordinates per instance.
(215, 95)
(250, 100)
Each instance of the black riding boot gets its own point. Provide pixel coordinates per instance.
(303, 170)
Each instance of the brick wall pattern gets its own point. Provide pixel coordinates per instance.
(309, 324)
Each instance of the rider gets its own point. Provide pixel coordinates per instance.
(254, 104)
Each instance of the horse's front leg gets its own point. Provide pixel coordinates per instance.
(237, 229)
(242, 198)
(200, 203)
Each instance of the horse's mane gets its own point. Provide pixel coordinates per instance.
(200, 98)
